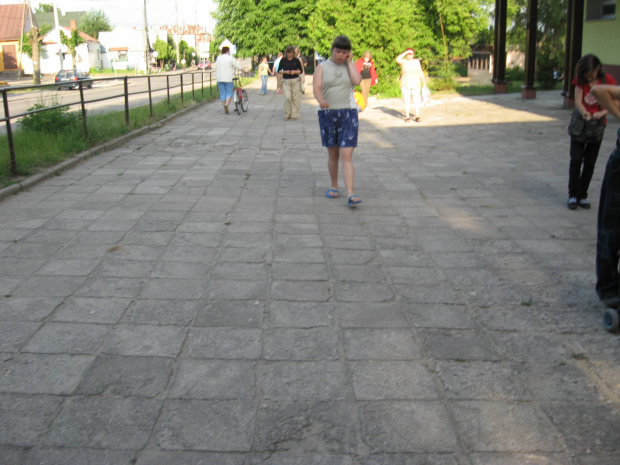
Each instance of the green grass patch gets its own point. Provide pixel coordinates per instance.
(36, 150)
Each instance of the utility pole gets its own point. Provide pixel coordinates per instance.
(146, 43)
(176, 30)
(57, 26)
(21, 44)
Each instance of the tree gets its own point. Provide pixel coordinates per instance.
(32, 47)
(165, 49)
(375, 25)
(259, 27)
(94, 22)
(45, 8)
(72, 42)
(550, 35)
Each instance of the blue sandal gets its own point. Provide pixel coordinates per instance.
(331, 193)
(354, 200)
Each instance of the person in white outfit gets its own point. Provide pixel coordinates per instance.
(411, 83)
(225, 67)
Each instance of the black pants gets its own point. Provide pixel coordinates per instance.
(581, 154)
(608, 231)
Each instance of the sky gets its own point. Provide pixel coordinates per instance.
(129, 13)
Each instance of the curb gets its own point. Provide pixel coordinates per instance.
(65, 165)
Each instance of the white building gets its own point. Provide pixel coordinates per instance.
(56, 56)
(125, 47)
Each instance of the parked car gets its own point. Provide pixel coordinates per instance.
(70, 78)
(204, 64)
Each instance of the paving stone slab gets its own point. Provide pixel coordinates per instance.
(100, 423)
(501, 427)
(44, 373)
(214, 380)
(67, 338)
(216, 426)
(127, 376)
(408, 427)
(380, 344)
(305, 427)
(24, 419)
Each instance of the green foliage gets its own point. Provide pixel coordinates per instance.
(52, 121)
(165, 50)
(550, 35)
(34, 35)
(94, 22)
(263, 26)
(72, 42)
(45, 8)
(515, 74)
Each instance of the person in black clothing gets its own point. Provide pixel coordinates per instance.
(290, 68)
(608, 228)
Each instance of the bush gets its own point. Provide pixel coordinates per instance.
(52, 121)
(515, 74)
(444, 76)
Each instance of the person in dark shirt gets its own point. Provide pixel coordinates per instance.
(290, 69)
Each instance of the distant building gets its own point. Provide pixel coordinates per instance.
(601, 34)
(64, 19)
(16, 19)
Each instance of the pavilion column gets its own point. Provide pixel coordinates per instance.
(499, 50)
(528, 91)
(574, 37)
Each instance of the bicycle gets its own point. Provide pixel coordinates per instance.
(240, 97)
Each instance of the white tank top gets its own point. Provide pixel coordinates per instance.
(336, 85)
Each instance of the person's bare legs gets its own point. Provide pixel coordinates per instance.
(332, 165)
(346, 158)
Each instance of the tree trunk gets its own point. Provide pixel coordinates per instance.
(73, 58)
(36, 64)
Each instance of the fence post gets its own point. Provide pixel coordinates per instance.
(202, 84)
(181, 88)
(150, 95)
(193, 97)
(126, 101)
(83, 110)
(211, 84)
(9, 133)
(168, 87)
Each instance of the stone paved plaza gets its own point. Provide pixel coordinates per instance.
(192, 297)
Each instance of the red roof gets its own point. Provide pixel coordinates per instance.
(11, 21)
(67, 31)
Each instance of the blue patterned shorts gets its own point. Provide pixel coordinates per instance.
(338, 127)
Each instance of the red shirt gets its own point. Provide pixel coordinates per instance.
(588, 99)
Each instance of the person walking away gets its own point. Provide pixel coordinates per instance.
(225, 67)
(333, 84)
(608, 227)
(411, 83)
(366, 68)
(290, 69)
(583, 154)
(278, 76)
(263, 72)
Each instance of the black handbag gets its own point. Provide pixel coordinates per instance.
(583, 130)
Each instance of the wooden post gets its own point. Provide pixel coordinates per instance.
(574, 37)
(528, 91)
(499, 51)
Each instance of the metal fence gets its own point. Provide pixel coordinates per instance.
(155, 83)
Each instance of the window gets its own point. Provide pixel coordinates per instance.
(600, 9)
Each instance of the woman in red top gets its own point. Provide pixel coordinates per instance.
(588, 73)
(366, 68)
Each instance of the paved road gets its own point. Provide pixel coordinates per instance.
(193, 298)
